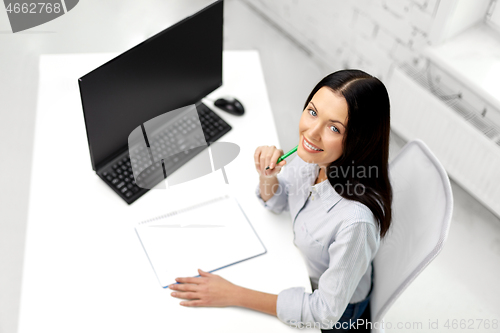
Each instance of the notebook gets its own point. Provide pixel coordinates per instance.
(209, 235)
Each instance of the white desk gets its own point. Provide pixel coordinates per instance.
(84, 268)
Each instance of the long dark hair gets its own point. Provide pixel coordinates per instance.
(365, 143)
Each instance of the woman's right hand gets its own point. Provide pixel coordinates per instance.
(267, 156)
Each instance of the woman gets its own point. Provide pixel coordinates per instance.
(338, 192)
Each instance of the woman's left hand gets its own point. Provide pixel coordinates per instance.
(206, 290)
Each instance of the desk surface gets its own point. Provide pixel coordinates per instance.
(84, 267)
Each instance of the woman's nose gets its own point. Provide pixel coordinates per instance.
(314, 131)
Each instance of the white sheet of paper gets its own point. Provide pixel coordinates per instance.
(207, 236)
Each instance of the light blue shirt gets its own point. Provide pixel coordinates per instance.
(338, 239)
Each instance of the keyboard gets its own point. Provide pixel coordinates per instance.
(175, 141)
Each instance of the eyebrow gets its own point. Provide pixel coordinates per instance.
(334, 121)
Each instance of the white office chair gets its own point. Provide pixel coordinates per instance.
(422, 209)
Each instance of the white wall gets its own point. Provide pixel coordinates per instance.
(367, 34)
(371, 35)
(465, 14)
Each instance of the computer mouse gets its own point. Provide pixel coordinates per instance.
(230, 105)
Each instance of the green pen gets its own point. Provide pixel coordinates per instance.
(286, 155)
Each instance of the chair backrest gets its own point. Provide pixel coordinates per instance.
(422, 209)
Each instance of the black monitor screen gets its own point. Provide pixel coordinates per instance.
(177, 67)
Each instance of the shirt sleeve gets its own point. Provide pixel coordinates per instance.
(350, 257)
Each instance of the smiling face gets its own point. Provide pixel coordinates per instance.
(322, 127)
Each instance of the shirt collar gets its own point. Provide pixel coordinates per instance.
(329, 197)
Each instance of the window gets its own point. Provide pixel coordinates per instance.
(493, 16)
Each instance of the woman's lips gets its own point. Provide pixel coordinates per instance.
(309, 149)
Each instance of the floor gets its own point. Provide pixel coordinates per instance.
(461, 283)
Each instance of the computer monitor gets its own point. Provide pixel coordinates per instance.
(176, 67)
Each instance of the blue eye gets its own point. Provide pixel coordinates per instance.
(335, 129)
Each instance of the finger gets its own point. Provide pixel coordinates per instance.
(262, 159)
(269, 155)
(279, 165)
(256, 156)
(276, 154)
(276, 168)
(185, 287)
(192, 303)
(203, 273)
(195, 280)
(185, 295)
